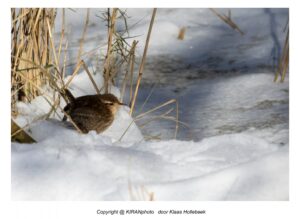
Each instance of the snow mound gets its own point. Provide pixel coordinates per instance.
(123, 128)
(71, 166)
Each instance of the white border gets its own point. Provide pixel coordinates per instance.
(152, 3)
(9, 209)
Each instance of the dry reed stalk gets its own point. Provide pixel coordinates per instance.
(147, 98)
(20, 16)
(152, 118)
(77, 68)
(52, 42)
(81, 63)
(19, 134)
(131, 77)
(37, 19)
(284, 60)
(107, 62)
(140, 193)
(71, 120)
(62, 34)
(131, 195)
(63, 72)
(181, 33)
(177, 120)
(155, 108)
(152, 137)
(124, 82)
(140, 116)
(126, 130)
(143, 61)
(53, 106)
(129, 69)
(81, 41)
(227, 19)
(90, 77)
(165, 117)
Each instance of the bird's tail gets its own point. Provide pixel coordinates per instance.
(67, 95)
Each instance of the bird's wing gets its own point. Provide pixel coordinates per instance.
(88, 117)
(86, 112)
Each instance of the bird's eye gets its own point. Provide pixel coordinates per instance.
(109, 103)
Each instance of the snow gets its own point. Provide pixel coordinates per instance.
(236, 146)
(84, 167)
(74, 167)
(239, 183)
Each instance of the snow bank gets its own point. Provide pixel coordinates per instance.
(73, 167)
(123, 128)
(264, 179)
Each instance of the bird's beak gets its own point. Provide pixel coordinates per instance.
(123, 104)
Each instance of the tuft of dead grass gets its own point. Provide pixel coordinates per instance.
(30, 40)
(140, 193)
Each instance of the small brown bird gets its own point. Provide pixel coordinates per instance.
(92, 112)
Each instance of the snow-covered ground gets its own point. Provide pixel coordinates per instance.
(236, 145)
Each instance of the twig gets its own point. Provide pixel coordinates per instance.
(228, 20)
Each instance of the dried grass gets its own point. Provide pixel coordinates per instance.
(30, 41)
(284, 61)
(139, 193)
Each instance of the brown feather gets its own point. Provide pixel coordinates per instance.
(92, 112)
